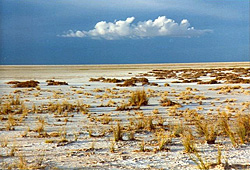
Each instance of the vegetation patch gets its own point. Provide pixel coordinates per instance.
(24, 84)
(55, 83)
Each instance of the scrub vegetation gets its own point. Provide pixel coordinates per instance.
(106, 120)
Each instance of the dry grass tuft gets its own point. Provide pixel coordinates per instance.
(178, 130)
(138, 98)
(11, 122)
(4, 142)
(112, 146)
(224, 122)
(163, 139)
(15, 101)
(167, 102)
(105, 119)
(188, 142)
(208, 129)
(156, 111)
(117, 132)
(122, 107)
(142, 146)
(198, 160)
(40, 126)
(243, 128)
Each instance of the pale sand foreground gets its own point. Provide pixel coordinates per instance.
(82, 151)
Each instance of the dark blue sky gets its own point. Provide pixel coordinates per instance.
(32, 31)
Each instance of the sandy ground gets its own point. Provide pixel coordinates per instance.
(81, 151)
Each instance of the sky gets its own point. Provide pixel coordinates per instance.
(64, 32)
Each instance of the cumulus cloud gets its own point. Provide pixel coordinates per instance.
(161, 26)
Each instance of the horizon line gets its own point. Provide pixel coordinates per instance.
(123, 64)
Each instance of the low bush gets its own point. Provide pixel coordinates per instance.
(55, 83)
(24, 84)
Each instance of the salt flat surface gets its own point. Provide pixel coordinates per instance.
(94, 152)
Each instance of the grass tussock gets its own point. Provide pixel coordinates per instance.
(4, 142)
(207, 129)
(224, 122)
(112, 146)
(143, 123)
(142, 146)
(11, 122)
(188, 142)
(199, 161)
(123, 107)
(163, 140)
(167, 102)
(138, 98)
(243, 128)
(15, 101)
(105, 119)
(40, 127)
(156, 111)
(117, 132)
(177, 129)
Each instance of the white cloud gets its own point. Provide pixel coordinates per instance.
(161, 26)
(71, 33)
